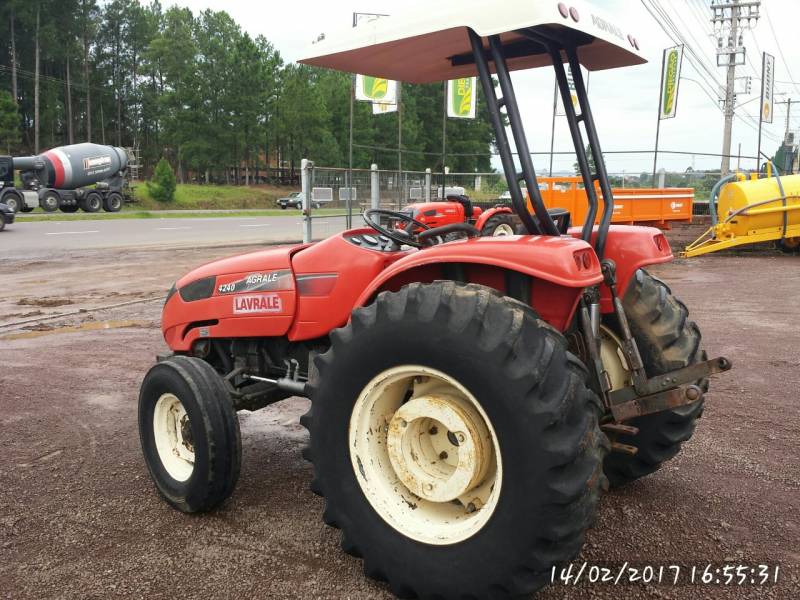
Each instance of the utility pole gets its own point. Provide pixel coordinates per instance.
(731, 18)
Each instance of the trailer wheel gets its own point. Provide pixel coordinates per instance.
(13, 200)
(189, 433)
(455, 442)
(50, 201)
(498, 225)
(789, 245)
(112, 202)
(667, 340)
(92, 202)
(69, 208)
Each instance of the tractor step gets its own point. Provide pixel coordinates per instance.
(624, 448)
(620, 429)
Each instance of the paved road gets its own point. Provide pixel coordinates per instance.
(43, 238)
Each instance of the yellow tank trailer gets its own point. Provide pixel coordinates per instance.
(753, 210)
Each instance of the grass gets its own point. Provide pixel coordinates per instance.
(209, 197)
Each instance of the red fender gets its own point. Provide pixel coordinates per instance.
(487, 214)
(631, 248)
(561, 268)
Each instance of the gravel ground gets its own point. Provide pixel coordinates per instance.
(79, 517)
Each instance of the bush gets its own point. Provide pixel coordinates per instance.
(162, 186)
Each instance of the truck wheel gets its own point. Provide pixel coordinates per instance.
(13, 200)
(498, 225)
(455, 442)
(189, 433)
(2, 223)
(92, 203)
(69, 208)
(667, 340)
(50, 201)
(283, 207)
(112, 202)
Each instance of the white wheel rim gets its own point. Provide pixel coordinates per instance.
(613, 359)
(503, 229)
(425, 455)
(174, 445)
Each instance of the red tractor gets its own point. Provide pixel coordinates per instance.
(470, 400)
(495, 221)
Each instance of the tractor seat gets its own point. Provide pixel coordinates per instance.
(463, 201)
(561, 217)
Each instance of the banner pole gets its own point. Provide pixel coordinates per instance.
(349, 186)
(761, 111)
(444, 134)
(658, 122)
(553, 127)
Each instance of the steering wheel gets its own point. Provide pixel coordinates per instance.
(399, 236)
(441, 234)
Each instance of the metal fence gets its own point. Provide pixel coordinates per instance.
(338, 196)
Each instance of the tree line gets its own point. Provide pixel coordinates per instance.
(199, 91)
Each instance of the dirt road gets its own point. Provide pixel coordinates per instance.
(79, 517)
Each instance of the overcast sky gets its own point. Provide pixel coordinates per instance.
(624, 101)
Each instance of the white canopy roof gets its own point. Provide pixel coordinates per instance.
(418, 46)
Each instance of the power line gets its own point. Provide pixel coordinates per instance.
(780, 50)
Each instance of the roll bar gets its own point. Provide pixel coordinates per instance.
(554, 46)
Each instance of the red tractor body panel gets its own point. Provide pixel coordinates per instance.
(331, 275)
(304, 292)
(437, 214)
(252, 295)
(631, 248)
(489, 213)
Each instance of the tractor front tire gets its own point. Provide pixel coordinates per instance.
(443, 385)
(667, 340)
(189, 433)
(498, 225)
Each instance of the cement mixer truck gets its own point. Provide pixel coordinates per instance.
(61, 178)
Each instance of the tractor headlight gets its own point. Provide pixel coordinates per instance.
(198, 290)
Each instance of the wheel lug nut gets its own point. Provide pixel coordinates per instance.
(403, 423)
(471, 507)
(461, 437)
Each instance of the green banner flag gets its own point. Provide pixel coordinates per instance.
(462, 98)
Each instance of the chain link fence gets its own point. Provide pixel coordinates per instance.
(338, 196)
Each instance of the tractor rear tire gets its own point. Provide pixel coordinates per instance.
(541, 418)
(667, 340)
(189, 433)
(498, 225)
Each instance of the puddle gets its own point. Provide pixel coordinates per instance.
(91, 326)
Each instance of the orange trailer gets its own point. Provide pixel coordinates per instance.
(651, 206)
